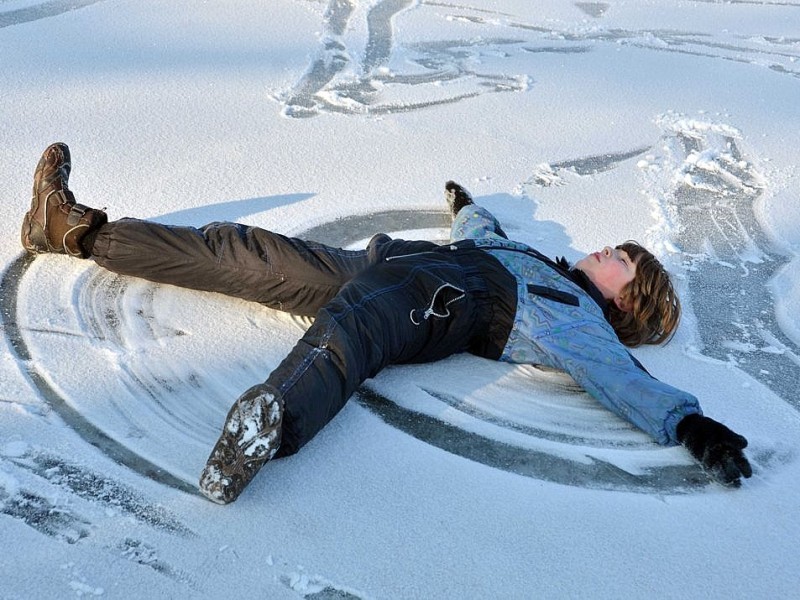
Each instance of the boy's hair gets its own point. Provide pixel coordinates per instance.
(655, 307)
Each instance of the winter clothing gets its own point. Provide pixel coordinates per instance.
(400, 302)
(716, 447)
(251, 436)
(55, 222)
(560, 323)
(456, 197)
(395, 302)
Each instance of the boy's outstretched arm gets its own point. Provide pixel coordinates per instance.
(606, 370)
(471, 224)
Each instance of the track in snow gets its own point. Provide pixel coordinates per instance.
(489, 52)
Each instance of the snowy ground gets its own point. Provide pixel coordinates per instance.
(578, 123)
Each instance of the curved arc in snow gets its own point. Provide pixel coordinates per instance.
(586, 472)
(74, 419)
(41, 11)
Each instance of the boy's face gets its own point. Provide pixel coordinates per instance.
(610, 270)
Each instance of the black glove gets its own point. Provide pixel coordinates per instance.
(717, 448)
(457, 197)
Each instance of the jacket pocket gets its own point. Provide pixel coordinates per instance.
(553, 294)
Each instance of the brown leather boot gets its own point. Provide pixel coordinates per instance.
(55, 222)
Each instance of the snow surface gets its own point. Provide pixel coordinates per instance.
(579, 124)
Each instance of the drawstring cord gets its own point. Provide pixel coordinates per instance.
(430, 312)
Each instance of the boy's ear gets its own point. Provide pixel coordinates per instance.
(623, 303)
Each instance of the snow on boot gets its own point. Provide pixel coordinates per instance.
(457, 197)
(55, 222)
(250, 437)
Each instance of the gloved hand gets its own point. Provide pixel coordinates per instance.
(717, 448)
(456, 196)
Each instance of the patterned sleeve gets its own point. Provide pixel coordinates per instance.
(475, 222)
(605, 369)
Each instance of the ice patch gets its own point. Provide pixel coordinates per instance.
(395, 75)
(728, 259)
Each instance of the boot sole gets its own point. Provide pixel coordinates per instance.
(251, 436)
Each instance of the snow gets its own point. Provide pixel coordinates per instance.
(578, 124)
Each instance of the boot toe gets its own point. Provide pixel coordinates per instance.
(53, 169)
(215, 486)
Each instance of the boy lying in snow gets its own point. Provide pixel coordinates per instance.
(400, 302)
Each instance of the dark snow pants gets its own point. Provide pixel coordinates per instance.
(395, 302)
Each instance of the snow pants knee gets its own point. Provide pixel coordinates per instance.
(396, 302)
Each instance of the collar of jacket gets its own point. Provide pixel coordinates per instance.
(561, 265)
(580, 279)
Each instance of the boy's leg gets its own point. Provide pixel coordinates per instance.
(232, 259)
(237, 260)
(414, 309)
(394, 312)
